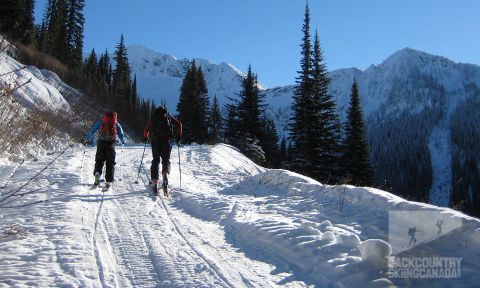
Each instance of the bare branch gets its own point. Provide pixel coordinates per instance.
(13, 71)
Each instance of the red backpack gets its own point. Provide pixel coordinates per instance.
(108, 129)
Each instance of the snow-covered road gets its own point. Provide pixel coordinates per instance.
(231, 224)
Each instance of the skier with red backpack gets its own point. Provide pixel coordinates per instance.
(160, 129)
(108, 129)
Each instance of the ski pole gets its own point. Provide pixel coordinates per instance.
(121, 169)
(141, 162)
(179, 168)
(81, 165)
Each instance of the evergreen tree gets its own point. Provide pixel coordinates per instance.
(104, 76)
(75, 22)
(134, 98)
(232, 133)
(269, 143)
(203, 107)
(324, 128)
(283, 150)
(356, 157)
(26, 25)
(193, 105)
(215, 121)
(41, 37)
(16, 20)
(185, 104)
(121, 81)
(57, 32)
(299, 126)
(91, 66)
(10, 16)
(250, 108)
(247, 126)
(289, 153)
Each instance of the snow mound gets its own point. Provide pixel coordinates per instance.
(326, 235)
(375, 251)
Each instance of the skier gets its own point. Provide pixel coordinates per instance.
(161, 131)
(109, 129)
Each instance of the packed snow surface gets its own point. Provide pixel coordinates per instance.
(230, 224)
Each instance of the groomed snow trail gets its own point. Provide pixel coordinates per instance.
(124, 237)
(231, 224)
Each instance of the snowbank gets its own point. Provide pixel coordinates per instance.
(42, 89)
(325, 235)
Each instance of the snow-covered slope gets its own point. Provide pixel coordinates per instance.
(159, 76)
(230, 224)
(42, 89)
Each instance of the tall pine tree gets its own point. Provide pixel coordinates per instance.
(16, 20)
(215, 122)
(75, 22)
(250, 106)
(193, 106)
(247, 126)
(121, 82)
(91, 65)
(356, 158)
(57, 31)
(269, 143)
(299, 122)
(324, 124)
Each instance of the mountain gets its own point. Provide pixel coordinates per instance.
(413, 101)
(159, 76)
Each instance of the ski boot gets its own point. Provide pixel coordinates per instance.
(155, 186)
(97, 179)
(165, 186)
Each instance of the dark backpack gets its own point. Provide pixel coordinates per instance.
(108, 129)
(162, 126)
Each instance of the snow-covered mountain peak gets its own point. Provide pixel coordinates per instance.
(159, 75)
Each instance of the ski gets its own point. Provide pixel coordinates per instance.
(166, 193)
(156, 191)
(154, 188)
(106, 187)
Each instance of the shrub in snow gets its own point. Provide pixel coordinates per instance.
(15, 230)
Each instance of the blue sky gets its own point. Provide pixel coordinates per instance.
(267, 33)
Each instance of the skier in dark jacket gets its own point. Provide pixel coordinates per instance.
(160, 129)
(109, 129)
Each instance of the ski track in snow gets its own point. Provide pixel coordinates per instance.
(232, 224)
